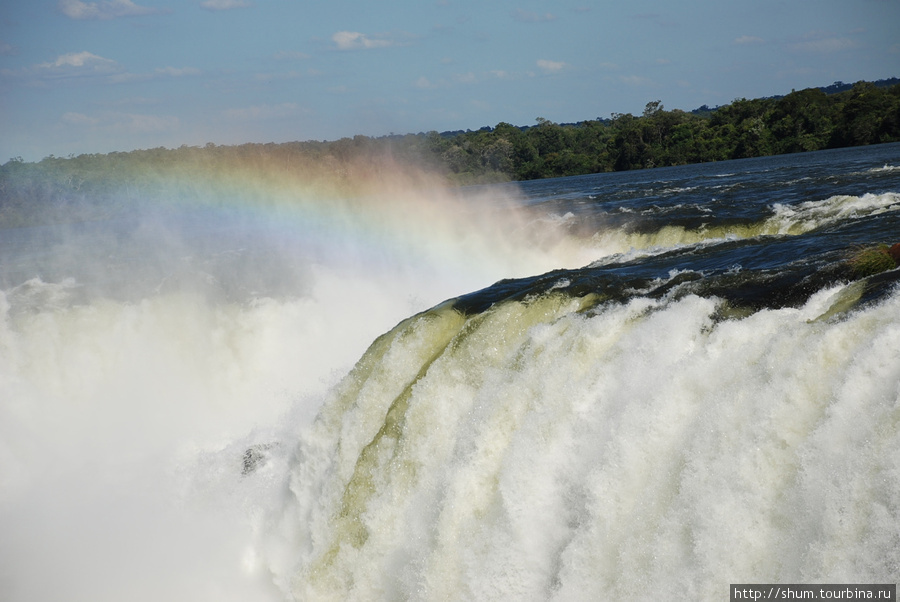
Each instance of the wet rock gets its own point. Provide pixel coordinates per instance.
(874, 260)
(255, 457)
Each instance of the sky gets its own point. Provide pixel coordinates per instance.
(116, 75)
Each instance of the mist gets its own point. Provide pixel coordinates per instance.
(143, 355)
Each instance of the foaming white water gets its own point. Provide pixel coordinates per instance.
(786, 220)
(152, 386)
(148, 414)
(550, 450)
(123, 427)
(103, 408)
(148, 448)
(814, 214)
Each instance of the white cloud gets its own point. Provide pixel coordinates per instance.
(74, 65)
(111, 9)
(225, 4)
(354, 40)
(158, 73)
(741, 40)
(424, 83)
(550, 66)
(89, 67)
(79, 59)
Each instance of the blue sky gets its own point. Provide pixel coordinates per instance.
(97, 76)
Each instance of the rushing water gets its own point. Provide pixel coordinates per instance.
(677, 382)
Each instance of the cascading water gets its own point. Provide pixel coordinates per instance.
(677, 381)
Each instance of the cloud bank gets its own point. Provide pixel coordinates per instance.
(111, 9)
(550, 66)
(354, 40)
(87, 67)
(77, 64)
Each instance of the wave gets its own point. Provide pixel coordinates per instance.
(816, 214)
(626, 243)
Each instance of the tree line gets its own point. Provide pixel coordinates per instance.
(805, 120)
(97, 185)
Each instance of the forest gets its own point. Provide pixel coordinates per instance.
(93, 186)
(804, 120)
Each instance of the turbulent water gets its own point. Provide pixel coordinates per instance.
(679, 380)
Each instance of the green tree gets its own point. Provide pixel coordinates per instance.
(627, 148)
(866, 115)
(801, 121)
